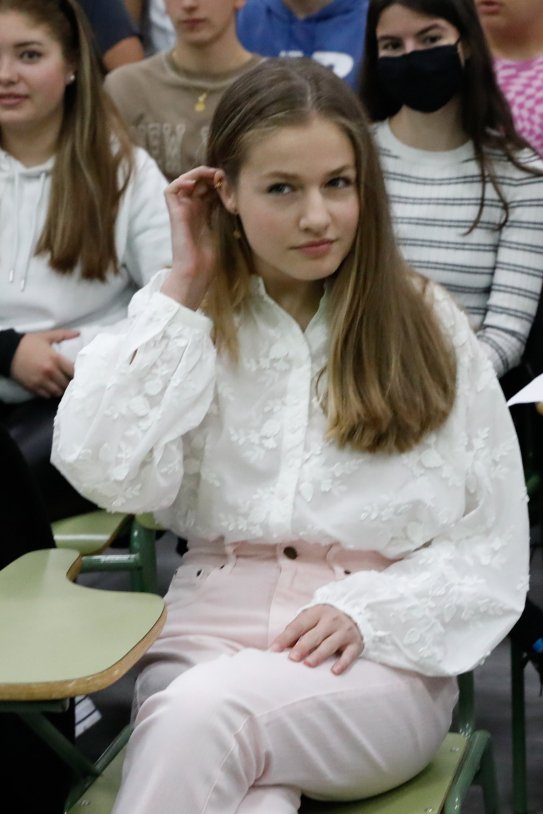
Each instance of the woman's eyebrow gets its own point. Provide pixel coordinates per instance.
(26, 43)
(418, 33)
(291, 176)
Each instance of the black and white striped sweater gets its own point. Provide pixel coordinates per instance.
(494, 275)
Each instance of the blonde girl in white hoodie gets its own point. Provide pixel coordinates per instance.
(83, 222)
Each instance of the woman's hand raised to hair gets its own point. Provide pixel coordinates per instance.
(318, 633)
(189, 200)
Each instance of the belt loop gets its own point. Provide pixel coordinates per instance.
(230, 550)
(331, 559)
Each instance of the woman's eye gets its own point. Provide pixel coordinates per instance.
(389, 47)
(341, 182)
(431, 39)
(30, 55)
(279, 189)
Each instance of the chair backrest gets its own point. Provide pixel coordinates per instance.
(93, 533)
(90, 533)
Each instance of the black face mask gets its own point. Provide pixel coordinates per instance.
(422, 80)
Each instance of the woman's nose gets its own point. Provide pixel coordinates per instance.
(315, 215)
(8, 72)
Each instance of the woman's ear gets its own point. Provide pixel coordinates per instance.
(227, 192)
(71, 68)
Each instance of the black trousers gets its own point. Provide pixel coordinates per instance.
(30, 424)
(529, 427)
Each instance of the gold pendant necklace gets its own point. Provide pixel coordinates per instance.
(200, 104)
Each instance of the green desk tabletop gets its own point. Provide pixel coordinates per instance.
(59, 639)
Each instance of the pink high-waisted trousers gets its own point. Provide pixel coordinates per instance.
(224, 726)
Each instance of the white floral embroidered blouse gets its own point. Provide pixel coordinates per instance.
(229, 453)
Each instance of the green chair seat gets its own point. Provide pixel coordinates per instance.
(424, 793)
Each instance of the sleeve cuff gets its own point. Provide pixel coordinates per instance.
(361, 621)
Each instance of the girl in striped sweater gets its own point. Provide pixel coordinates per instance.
(466, 189)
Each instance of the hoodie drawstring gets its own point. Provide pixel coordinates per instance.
(33, 236)
(15, 248)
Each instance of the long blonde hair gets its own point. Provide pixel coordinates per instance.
(391, 371)
(94, 155)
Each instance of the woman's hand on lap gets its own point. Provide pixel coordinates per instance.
(318, 633)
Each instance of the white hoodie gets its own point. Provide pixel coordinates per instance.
(33, 297)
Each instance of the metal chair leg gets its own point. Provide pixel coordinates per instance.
(518, 733)
(487, 779)
(142, 545)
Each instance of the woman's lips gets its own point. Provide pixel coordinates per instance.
(192, 23)
(489, 6)
(11, 99)
(315, 248)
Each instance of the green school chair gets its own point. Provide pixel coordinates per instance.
(93, 533)
(465, 758)
(59, 640)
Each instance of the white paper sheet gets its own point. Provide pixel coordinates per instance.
(533, 392)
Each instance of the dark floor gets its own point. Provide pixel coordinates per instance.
(492, 683)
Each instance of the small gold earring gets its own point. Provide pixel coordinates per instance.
(71, 78)
(218, 184)
(236, 231)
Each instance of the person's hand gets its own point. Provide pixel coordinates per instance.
(318, 633)
(38, 367)
(189, 199)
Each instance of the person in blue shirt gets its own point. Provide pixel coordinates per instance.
(330, 31)
(117, 38)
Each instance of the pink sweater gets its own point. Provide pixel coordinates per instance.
(522, 84)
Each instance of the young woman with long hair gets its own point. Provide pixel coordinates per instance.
(322, 427)
(465, 188)
(82, 221)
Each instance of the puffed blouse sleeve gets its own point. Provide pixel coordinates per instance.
(138, 388)
(444, 607)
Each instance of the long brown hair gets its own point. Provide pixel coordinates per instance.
(486, 116)
(94, 155)
(391, 370)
